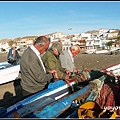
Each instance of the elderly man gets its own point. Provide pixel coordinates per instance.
(51, 61)
(67, 59)
(34, 76)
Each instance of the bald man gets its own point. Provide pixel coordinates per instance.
(67, 60)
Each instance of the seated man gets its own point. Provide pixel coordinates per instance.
(67, 59)
(51, 61)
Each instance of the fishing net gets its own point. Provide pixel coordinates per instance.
(91, 109)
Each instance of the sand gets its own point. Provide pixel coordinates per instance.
(89, 61)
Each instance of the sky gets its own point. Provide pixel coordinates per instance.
(31, 18)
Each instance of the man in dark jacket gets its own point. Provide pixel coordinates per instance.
(34, 76)
(13, 56)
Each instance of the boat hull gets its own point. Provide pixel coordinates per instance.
(10, 73)
(55, 96)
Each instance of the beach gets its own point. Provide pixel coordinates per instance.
(82, 61)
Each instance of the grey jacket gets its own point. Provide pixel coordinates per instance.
(66, 61)
(33, 77)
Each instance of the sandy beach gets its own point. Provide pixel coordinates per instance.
(89, 61)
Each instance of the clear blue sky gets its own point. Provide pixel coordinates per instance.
(19, 19)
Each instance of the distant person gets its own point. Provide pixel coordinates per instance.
(34, 76)
(13, 56)
(67, 59)
(51, 60)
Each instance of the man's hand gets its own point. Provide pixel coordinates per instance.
(75, 70)
(67, 77)
(54, 72)
(68, 72)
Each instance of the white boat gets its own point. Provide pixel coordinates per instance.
(8, 72)
(101, 51)
(114, 68)
(91, 51)
(95, 51)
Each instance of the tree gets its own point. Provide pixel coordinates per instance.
(109, 44)
(10, 43)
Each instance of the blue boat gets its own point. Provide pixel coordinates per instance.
(56, 99)
(57, 93)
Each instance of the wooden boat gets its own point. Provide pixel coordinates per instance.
(52, 102)
(55, 91)
(115, 69)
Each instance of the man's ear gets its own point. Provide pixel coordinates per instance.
(54, 50)
(73, 50)
(41, 45)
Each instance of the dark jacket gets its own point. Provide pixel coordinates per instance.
(52, 62)
(11, 58)
(33, 77)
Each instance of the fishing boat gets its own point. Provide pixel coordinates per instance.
(115, 69)
(8, 72)
(58, 97)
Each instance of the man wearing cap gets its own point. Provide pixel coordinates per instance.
(51, 60)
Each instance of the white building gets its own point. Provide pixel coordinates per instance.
(5, 46)
(66, 43)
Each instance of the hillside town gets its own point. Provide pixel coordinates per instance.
(97, 79)
(93, 39)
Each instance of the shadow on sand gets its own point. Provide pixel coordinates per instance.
(8, 98)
